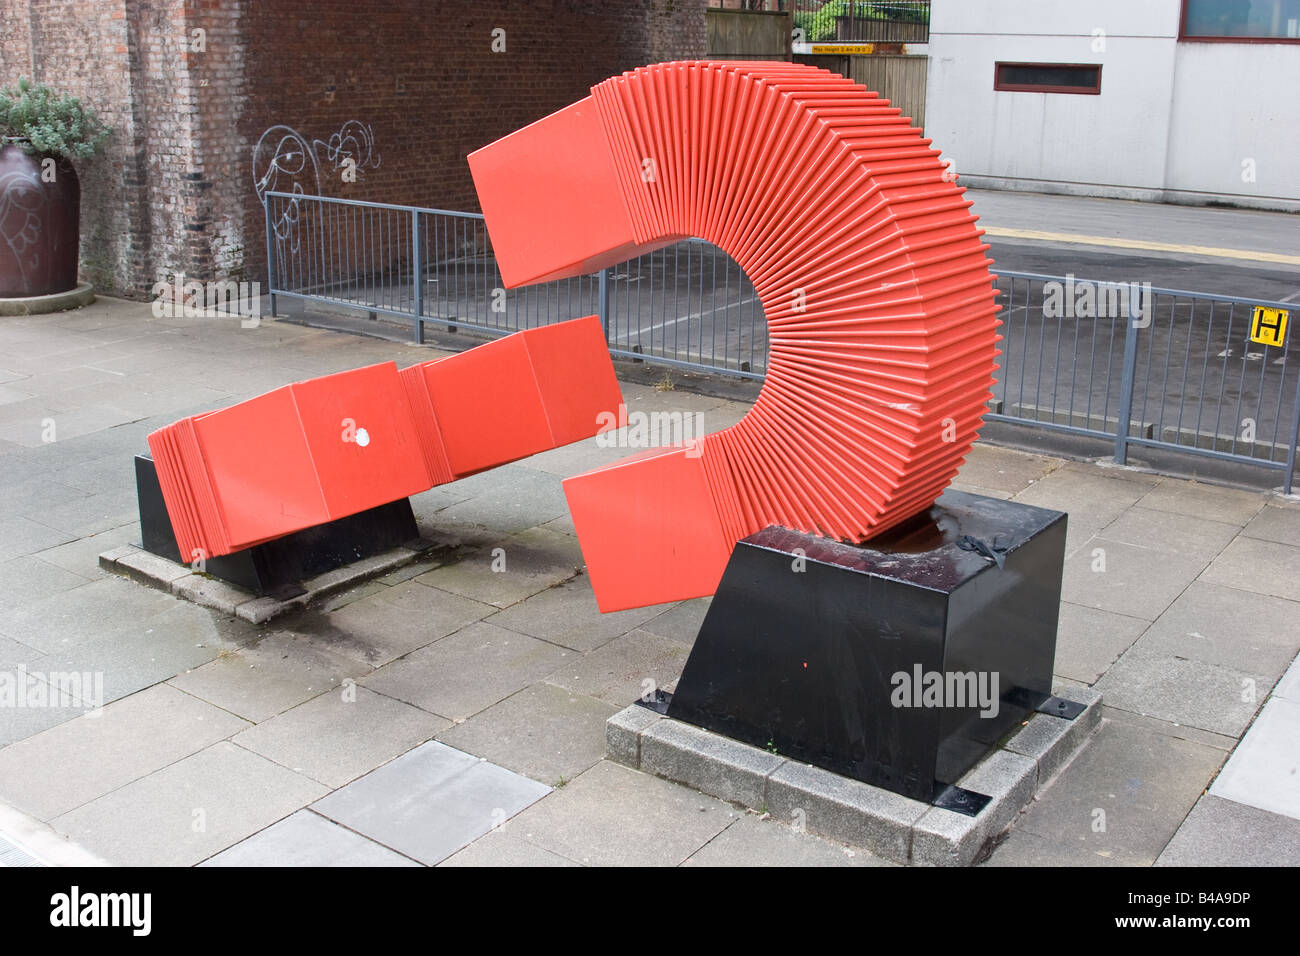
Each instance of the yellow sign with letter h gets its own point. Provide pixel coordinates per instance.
(1268, 326)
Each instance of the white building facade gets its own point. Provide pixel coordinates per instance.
(1191, 101)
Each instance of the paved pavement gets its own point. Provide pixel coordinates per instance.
(451, 714)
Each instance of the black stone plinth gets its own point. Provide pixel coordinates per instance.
(802, 649)
(278, 567)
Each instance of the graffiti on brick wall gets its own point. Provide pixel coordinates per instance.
(285, 161)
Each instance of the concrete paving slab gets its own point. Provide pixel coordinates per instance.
(1183, 691)
(1275, 523)
(189, 810)
(88, 613)
(1089, 640)
(93, 514)
(1134, 580)
(639, 397)
(1220, 832)
(83, 759)
(1264, 770)
(1124, 796)
(1092, 497)
(511, 505)
(259, 681)
(15, 653)
(1208, 738)
(563, 524)
(1265, 567)
(29, 578)
(468, 671)
(19, 536)
(8, 395)
(567, 615)
(755, 842)
(97, 474)
(1148, 528)
(412, 570)
(501, 847)
(340, 735)
(139, 656)
(614, 816)
(346, 596)
(681, 622)
(81, 557)
(431, 802)
(21, 723)
(975, 489)
(1250, 632)
(543, 731)
(1021, 848)
(577, 458)
(29, 491)
(308, 839)
(625, 669)
(384, 626)
(70, 424)
(1004, 470)
(1205, 502)
(427, 504)
(514, 568)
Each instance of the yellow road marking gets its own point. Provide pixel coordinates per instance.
(1120, 243)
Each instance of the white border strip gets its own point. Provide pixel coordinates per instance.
(41, 842)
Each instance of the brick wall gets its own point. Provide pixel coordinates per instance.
(175, 191)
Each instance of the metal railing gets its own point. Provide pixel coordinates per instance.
(688, 304)
(861, 21)
(1078, 356)
(1155, 368)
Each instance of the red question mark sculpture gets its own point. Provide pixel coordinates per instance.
(869, 266)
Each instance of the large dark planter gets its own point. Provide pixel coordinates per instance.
(39, 226)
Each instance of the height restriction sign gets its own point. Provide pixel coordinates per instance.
(1268, 326)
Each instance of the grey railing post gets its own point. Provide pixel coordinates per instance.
(270, 253)
(417, 273)
(602, 301)
(1126, 381)
(1291, 450)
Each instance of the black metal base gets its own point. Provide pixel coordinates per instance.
(879, 662)
(278, 567)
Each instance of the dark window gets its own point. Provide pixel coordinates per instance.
(1048, 77)
(1241, 21)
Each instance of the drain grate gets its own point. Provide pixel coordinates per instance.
(13, 856)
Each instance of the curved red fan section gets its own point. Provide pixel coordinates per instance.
(865, 256)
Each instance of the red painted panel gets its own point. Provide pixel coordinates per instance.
(564, 356)
(487, 405)
(333, 446)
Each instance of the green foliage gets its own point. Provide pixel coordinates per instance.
(45, 122)
(819, 27)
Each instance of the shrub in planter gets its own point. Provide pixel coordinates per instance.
(41, 133)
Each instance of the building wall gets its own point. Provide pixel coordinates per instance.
(1173, 121)
(1234, 103)
(174, 192)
